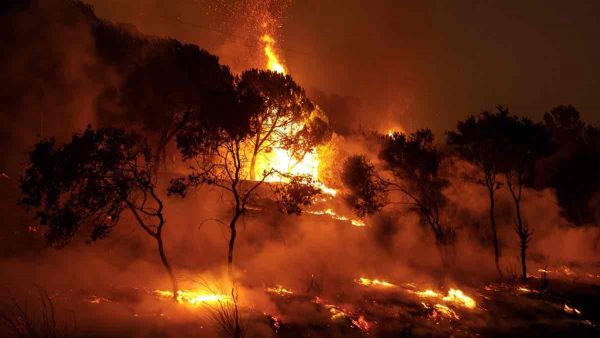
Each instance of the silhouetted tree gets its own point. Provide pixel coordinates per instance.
(481, 141)
(525, 144)
(287, 120)
(574, 168)
(164, 81)
(367, 190)
(414, 165)
(565, 126)
(89, 182)
(221, 157)
(299, 192)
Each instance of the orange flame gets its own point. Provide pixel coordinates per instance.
(280, 290)
(454, 296)
(374, 282)
(273, 62)
(332, 213)
(194, 297)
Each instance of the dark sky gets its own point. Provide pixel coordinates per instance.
(409, 63)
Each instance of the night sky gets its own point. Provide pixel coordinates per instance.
(414, 63)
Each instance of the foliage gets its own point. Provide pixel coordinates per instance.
(574, 169)
(22, 320)
(226, 315)
(88, 181)
(413, 164)
(288, 119)
(481, 141)
(299, 192)
(367, 191)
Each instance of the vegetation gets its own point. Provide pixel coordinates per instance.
(90, 182)
(33, 320)
(412, 168)
(219, 155)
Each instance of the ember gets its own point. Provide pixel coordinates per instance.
(338, 312)
(280, 290)
(571, 310)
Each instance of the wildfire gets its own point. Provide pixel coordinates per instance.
(334, 215)
(338, 312)
(457, 296)
(441, 310)
(454, 296)
(273, 62)
(571, 310)
(523, 289)
(374, 282)
(281, 159)
(280, 290)
(194, 297)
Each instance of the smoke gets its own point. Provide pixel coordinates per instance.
(54, 77)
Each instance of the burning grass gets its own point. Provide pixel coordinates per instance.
(194, 297)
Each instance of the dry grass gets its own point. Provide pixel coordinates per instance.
(38, 319)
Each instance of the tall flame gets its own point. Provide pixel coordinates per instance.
(281, 159)
(273, 62)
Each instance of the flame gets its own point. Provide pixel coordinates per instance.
(361, 323)
(281, 159)
(454, 296)
(428, 293)
(526, 290)
(280, 290)
(373, 282)
(334, 215)
(338, 312)
(446, 311)
(276, 322)
(273, 62)
(194, 297)
(457, 296)
(571, 310)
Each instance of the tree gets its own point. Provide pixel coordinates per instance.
(573, 170)
(367, 190)
(220, 158)
(288, 119)
(480, 141)
(299, 192)
(412, 164)
(526, 143)
(166, 83)
(89, 182)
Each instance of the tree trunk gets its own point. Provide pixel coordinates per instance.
(523, 260)
(253, 165)
(161, 151)
(255, 151)
(165, 261)
(494, 232)
(523, 237)
(233, 234)
(522, 231)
